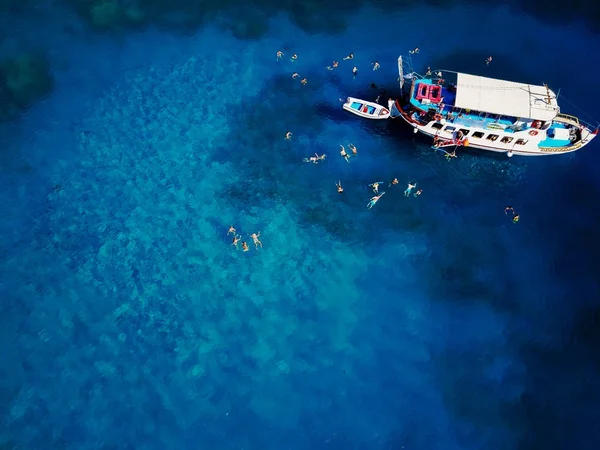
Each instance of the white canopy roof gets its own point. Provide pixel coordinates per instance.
(505, 98)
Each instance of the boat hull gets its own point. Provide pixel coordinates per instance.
(365, 109)
(521, 143)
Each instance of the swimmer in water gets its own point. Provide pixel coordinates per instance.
(488, 60)
(350, 56)
(515, 219)
(418, 193)
(332, 66)
(376, 65)
(294, 57)
(374, 200)
(394, 182)
(312, 159)
(375, 186)
(339, 187)
(295, 75)
(255, 239)
(322, 157)
(354, 71)
(231, 230)
(451, 155)
(236, 239)
(353, 149)
(245, 246)
(279, 54)
(344, 154)
(288, 135)
(304, 81)
(409, 189)
(509, 208)
(414, 51)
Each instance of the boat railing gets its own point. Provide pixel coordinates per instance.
(576, 121)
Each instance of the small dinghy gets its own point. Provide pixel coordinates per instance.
(368, 110)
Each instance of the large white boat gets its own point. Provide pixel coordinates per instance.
(458, 109)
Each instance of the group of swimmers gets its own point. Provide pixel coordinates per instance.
(237, 238)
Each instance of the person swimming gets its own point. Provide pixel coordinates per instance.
(418, 193)
(344, 154)
(375, 186)
(409, 189)
(488, 60)
(295, 75)
(255, 239)
(236, 239)
(394, 182)
(509, 208)
(451, 155)
(312, 159)
(515, 219)
(245, 246)
(350, 56)
(332, 66)
(231, 230)
(322, 157)
(339, 187)
(414, 51)
(353, 149)
(354, 71)
(374, 200)
(376, 65)
(279, 54)
(304, 81)
(294, 57)
(288, 135)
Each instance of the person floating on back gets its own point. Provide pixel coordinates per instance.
(312, 159)
(350, 56)
(304, 81)
(409, 189)
(376, 65)
(374, 200)
(394, 182)
(255, 239)
(294, 57)
(231, 230)
(375, 186)
(236, 239)
(510, 209)
(245, 246)
(339, 187)
(418, 193)
(353, 149)
(288, 135)
(332, 66)
(295, 75)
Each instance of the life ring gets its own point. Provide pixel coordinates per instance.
(533, 133)
(437, 117)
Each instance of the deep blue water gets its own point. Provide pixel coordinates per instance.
(128, 321)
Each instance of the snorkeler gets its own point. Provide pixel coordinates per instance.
(375, 186)
(304, 81)
(374, 200)
(332, 66)
(376, 65)
(231, 230)
(418, 193)
(288, 135)
(255, 239)
(245, 246)
(353, 149)
(350, 56)
(344, 154)
(409, 189)
(339, 187)
(394, 182)
(295, 75)
(279, 54)
(236, 239)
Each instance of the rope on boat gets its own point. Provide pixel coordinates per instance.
(594, 120)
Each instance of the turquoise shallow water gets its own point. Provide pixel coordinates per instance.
(129, 320)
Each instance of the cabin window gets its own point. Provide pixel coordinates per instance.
(521, 142)
(492, 137)
(464, 131)
(437, 126)
(478, 134)
(506, 140)
(449, 128)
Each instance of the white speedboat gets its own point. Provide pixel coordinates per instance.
(368, 110)
(458, 109)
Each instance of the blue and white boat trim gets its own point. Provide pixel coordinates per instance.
(489, 114)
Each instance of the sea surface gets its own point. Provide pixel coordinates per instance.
(129, 321)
